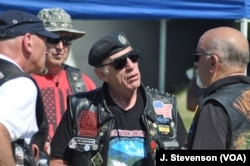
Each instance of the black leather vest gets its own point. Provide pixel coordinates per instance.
(235, 98)
(91, 109)
(75, 79)
(9, 71)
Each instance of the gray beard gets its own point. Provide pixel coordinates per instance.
(198, 82)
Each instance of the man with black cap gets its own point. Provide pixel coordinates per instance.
(121, 123)
(61, 79)
(22, 117)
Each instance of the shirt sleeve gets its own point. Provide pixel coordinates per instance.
(212, 128)
(18, 108)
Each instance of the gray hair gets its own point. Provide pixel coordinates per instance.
(229, 53)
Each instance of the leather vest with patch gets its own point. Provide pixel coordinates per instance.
(93, 122)
(235, 100)
(75, 79)
(9, 71)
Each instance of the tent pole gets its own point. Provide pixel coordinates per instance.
(244, 26)
(162, 57)
(244, 30)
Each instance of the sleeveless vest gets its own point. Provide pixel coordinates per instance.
(9, 71)
(93, 122)
(75, 79)
(235, 100)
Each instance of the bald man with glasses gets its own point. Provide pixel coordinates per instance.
(222, 119)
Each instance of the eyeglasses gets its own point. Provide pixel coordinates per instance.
(197, 55)
(66, 40)
(121, 62)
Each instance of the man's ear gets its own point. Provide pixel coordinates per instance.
(35, 151)
(27, 42)
(214, 62)
(101, 74)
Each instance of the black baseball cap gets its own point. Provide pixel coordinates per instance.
(106, 46)
(15, 23)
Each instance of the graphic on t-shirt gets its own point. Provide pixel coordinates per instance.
(127, 150)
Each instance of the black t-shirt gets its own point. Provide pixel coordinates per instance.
(128, 127)
(127, 139)
(126, 119)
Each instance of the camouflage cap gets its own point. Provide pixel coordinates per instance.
(57, 19)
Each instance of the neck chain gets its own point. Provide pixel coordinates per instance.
(59, 75)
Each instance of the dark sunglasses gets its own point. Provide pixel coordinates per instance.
(197, 55)
(66, 40)
(120, 63)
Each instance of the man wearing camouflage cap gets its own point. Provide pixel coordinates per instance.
(61, 79)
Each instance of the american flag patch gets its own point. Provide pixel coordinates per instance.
(163, 109)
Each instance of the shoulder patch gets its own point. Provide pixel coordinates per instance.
(163, 109)
(164, 105)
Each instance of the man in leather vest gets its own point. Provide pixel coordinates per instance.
(222, 120)
(120, 123)
(23, 123)
(61, 79)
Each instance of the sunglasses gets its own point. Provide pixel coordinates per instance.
(120, 63)
(66, 40)
(197, 55)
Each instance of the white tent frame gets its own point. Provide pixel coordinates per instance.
(244, 26)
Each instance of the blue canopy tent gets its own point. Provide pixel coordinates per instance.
(161, 10)
(139, 9)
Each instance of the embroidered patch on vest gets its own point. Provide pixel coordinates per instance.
(164, 129)
(163, 109)
(87, 124)
(97, 159)
(83, 144)
(242, 104)
(242, 141)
